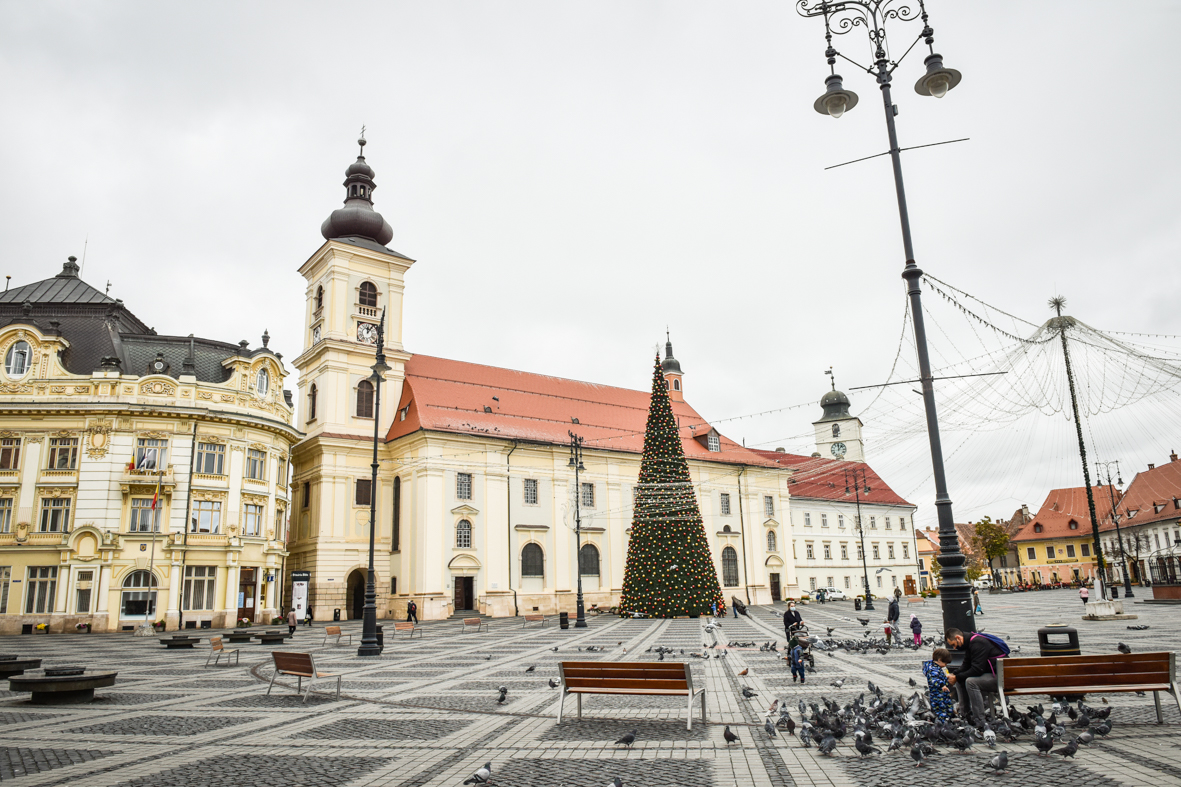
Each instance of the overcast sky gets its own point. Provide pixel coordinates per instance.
(573, 177)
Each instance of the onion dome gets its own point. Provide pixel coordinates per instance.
(670, 364)
(358, 218)
(835, 404)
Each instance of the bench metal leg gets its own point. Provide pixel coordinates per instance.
(561, 704)
(579, 698)
(689, 713)
(338, 677)
(1004, 705)
(703, 706)
(1160, 717)
(271, 685)
(1176, 695)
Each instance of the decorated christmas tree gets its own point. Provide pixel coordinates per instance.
(669, 570)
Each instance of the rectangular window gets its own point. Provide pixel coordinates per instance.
(206, 517)
(143, 518)
(828, 552)
(200, 589)
(893, 580)
(901, 523)
(588, 495)
(860, 552)
(879, 578)
(82, 596)
(812, 582)
(840, 520)
(1086, 553)
(768, 505)
(10, 453)
(6, 515)
(807, 520)
(463, 486)
(844, 551)
(530, 491)
(922, 564)
(363, 492)
(252, 526)
(829, 581)
(211, 459)
(1005, 559)
(256, 464)
(876, 556)
(1030, 553)
(150, 454)
(847, 583)
(725, 501)
(824, 520)
(5, 578)
(906, 552)
(887, 523)
(63, 453)
(890, 551)
(55, 515)
(808, 550)
(307, 493)
(1070, 550)
(1050, 552)
(41, 589)
(713, 443)
(393, 586)
(1157, 537)
(873, 523)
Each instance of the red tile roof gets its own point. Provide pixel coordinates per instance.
(824, 479)
(1063, 507)
(1160, 486)
(458, 397)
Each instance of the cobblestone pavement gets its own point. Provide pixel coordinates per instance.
(425, 712)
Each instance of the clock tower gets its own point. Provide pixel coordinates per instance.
(838, 434)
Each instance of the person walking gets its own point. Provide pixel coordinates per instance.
(412, 611)
(796, 659)
(976, 601)
(916, 628)
(898, 593)
(292, 622)
(892, 614)
(1084, 594)
(792, 620)
(308, 620)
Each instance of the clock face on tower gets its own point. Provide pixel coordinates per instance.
(838, 450)
(367, 333)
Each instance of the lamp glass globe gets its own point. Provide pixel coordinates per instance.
(938, 85)
(836, 105)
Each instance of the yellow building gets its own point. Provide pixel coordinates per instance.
(99, 416)
(1057, 545)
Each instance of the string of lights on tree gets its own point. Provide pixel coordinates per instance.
(669, 570)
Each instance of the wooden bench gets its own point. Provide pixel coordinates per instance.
(468, 623)
(533, 619)
(301, 665)
(334, 631)
(629, 677)
(408, 627)
(216, 647)
(915, 600)
(1102, 674)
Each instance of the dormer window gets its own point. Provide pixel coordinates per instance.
(713, 442)
(16, 362)
(368, 294)
(263, 382)
(1037, 528)
(1073, 525)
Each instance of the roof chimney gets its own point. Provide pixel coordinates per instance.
(1173, 456)
(1151, 466)
(1025, 512)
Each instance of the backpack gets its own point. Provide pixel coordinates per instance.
(1000, 644)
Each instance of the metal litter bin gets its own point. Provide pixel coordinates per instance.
(380, 639)
(336, 615)
(1058, 639)
(857, 604)
(563, 620)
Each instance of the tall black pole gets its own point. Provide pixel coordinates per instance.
(861, 533)
(369, 646)
(1061, 323)
(1123, 556)
(576, 461)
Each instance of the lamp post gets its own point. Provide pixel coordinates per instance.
(857, 484)
(369, 646)
(841, 17)
(1123, 557)
(576, 463)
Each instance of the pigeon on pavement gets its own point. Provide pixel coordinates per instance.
(863, 621)
(628, 739)
(1122, 648)
(828, 744)
(917, 755)
(1000, 762)
(503, 693)
(1043, 744)
(729, 736)
(617, 783)
(482, 775)
(553, 684)
(744, 671)
(1068, 750)
(531, 667)
(769, 727)
(746, 692)
(864, 748)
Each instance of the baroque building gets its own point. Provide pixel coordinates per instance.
(142, 477)
(474, 493)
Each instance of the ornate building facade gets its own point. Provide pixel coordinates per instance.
(142, 477)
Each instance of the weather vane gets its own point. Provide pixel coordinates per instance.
(833, 376)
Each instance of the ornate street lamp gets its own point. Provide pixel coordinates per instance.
(857, 485)
(841, 17)
(369, 646)
(576, 463)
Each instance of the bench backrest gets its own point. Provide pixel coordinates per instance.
(215, 643)
(401, 625)
(534, 618)
(626, 675)
(295, 663)
(471, 621)
(1115, 669)
(331, 631)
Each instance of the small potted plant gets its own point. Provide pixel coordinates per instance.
(82, 628)
(42, 628)
(243, 623)
(276, 620)
(158, 625)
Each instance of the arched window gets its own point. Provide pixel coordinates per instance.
(770, 540)
(533, 561)
(368, 294)
(16, 362)
(726, 529)
(262, 382)
(463, 534)
(396, 535)
(312, 403)
(676, 385)
(364, 399)
(319, 298)
(139, 594)
(836, 430)
(588, 560)
(666, 385)
(729, 567)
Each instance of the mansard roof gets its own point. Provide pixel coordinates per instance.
(824, 479)
(466, 398)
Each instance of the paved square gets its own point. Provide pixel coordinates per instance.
(425, 713)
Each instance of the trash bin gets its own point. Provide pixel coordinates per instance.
(1114, 592)
(380, 638)
(1058, 639)
(857, 603)
(336, 615)
(563, 620)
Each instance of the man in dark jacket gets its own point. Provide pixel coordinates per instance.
(791, 619)
(976, 675)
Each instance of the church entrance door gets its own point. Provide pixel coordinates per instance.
(775, 587)
(355, 595)
(465, 593)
